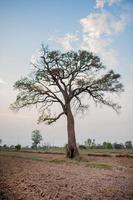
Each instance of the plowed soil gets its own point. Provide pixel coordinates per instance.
(34, 176)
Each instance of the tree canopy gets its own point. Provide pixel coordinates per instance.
(36, 137)
(59, 78)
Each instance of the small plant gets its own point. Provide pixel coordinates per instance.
(18, 147)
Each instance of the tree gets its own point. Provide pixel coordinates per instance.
(88, 143)
(93, 145)
(128, 144)
(36, 138)
(18, 147)
(0, 141)
(107, 145)
(64, 79)
(118, 145)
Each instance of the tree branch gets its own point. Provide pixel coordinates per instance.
(49, 119)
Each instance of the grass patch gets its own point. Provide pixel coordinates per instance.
(23, 157)
(33, 158)
(99, 165)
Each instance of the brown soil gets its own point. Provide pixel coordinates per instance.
(27, 176)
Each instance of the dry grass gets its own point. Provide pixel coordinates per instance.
(99, 165)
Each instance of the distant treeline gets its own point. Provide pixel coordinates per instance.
(91, 144)
(88, 144)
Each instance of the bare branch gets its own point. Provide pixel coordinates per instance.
(48, 119)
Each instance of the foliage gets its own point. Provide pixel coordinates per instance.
(128, 144)
(12, 147)
(18, 147)
(107, 145)
(118, 146)
(36, 138)
(5, 146)
(88, 143)
(66, 78)
(81, 146)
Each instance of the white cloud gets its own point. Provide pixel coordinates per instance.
(101, 3)
(103, 24)
(98, 32)
(66, 41)
(96, 24)
(2, 82)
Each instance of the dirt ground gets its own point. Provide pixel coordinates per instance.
(34, 176)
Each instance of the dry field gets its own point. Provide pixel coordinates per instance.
(35, 176)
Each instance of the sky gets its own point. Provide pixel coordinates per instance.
(104, 27)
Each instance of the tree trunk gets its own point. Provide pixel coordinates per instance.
(72, 150)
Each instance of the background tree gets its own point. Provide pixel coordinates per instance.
(0, 141)
(88, 143)
(64, 79)
(128, 144)
(118, 145)
(36, 138)
(107, 145)
(18, 147)
(93, 145)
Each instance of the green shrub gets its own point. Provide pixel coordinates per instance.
(81, 146)
(18, 147)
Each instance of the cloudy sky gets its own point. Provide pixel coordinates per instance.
(104, 27)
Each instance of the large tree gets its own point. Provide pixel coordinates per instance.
(69, 80)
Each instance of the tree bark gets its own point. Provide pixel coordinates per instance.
(72, 150)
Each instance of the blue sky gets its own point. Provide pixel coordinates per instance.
(102, 26)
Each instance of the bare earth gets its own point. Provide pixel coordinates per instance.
(34, 176)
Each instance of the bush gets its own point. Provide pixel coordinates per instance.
(82, 146)
(128, 145)
(107, 145)
(18, 147)
(5, 146)
(118, 146)
(12, 147)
